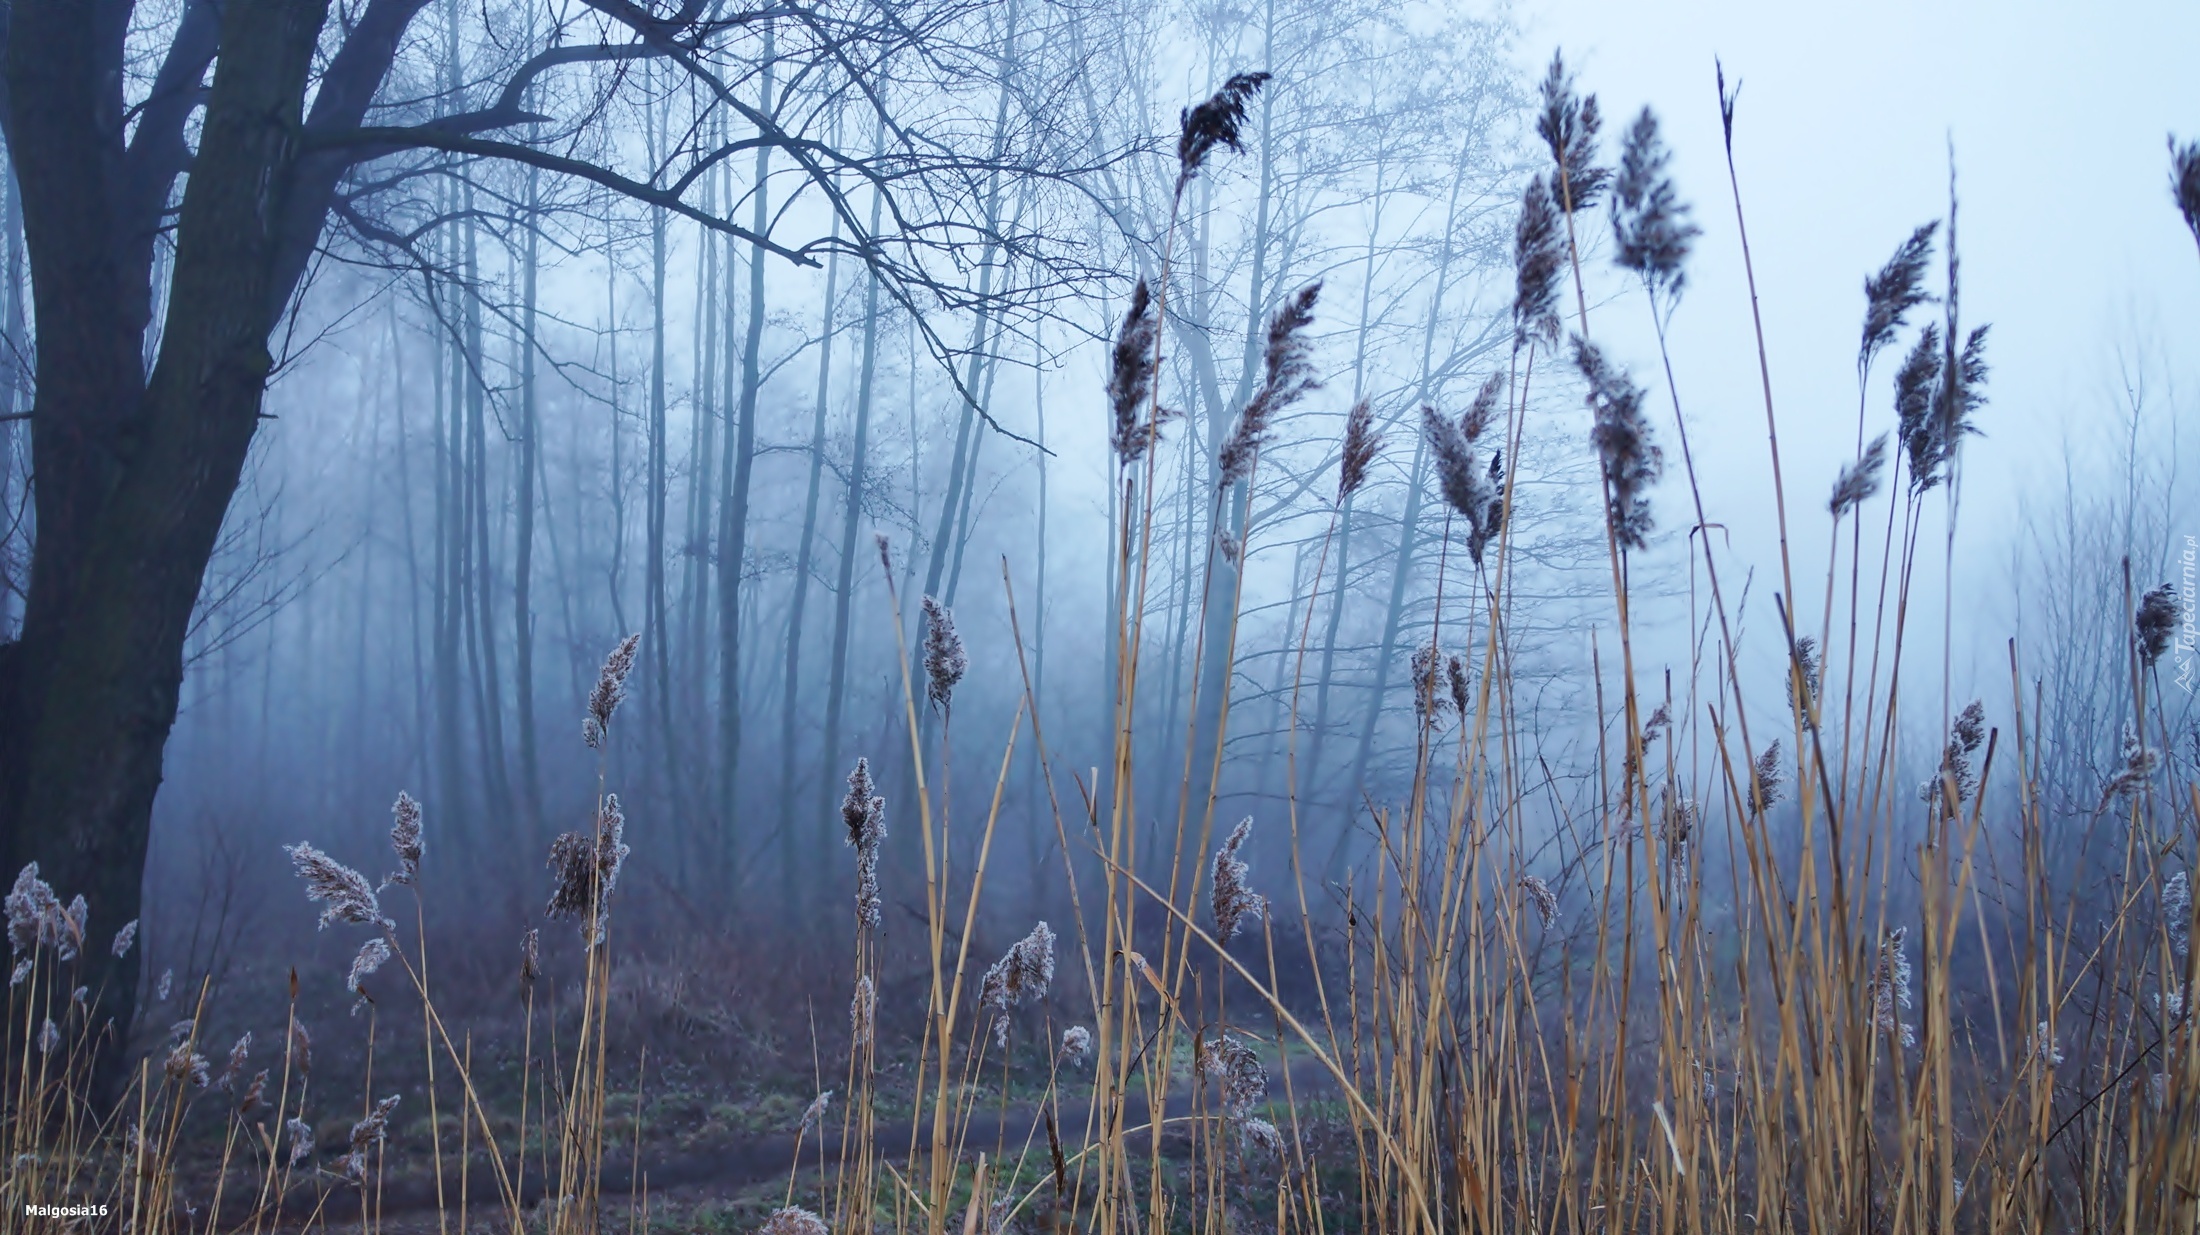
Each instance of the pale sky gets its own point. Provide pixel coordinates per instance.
(2070, 244)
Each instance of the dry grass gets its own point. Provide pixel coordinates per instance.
(1754, 991)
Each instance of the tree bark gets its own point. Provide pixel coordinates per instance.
(135, 472)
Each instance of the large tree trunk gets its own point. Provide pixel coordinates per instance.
(135, 474)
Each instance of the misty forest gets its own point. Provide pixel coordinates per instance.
(1072, 615)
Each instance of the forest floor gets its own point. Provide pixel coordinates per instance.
(699, 1168)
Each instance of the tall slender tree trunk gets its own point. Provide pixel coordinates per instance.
(733, 540)
(523, 551)
(836, 686)
(790, 702)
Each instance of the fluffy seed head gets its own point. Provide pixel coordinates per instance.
(1233, 899)
(167, 980)
(2155, 620)
(186, 1065)
(944, 661)
(2184, 183)
(1541, 897)
(1360, 444)
(1568, 125)
(124, 938)
(2043, 1046)
(610, 691)
(371, 956)
(1131, 374)
(1262, 1135)
(49, 1037)
(1913, 405)
(1216, 122)
(22, 970)
(344, 891)
(1809, 670)
(530, 956)
(1539, 255)
(1287, 373)
(1456, 670)
(240, 1054)
(1630, 460)
(1022, 976)
(301, 1048)
(1650, 225)
(793, 1220)
(814, 1115)
(1076, 1044)
(1859, 480)
(865, 815)
(1956, 774)
(255, 1094)
(1890, 985)
(2177, 912)
(1233, 1062)
(588, 871)
(35, 916)
(301, 1139)
(405, 838)
(1898, 288)
(863, 1012)
(1766, 778)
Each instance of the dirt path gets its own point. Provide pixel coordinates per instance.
(731, 1167)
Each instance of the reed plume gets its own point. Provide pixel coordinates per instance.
(1022, 976)
(1540, 897)
(1539, 256)
(1360, 444)
(1859, 480)
(1650, 224)
(1455, 670)
(240, 1054)
(372, 955)
(1233, 899)
(1475, 493)
(35, 916)
(343, 890)
(2184, 182)
(185, 1065)
(2136, 765)
(1237, 1066)
(862, 1012)
(1427, 676)
(1914, 383)
(368, 1134)
(1136, 359)
(2154, 622)
(1808, 669)
(794, 1220)
(405, 840)
(167, 979)
(610, 691)
(1287, 373)
(255, 1094)
(588, 871)
(1076, 1044)
(944, 661)
(301, 1139)
(864, 813)
(301, 1048)
(2177, 911)
(123, 939)
(530, 957)
(1898, 288)
(813, 1116)
(1630, 461)
(1765, 774)
(2043, 1046)
(1217, 122)
(1889, 988)
(1956, 775)
(49, 1037)
(1961, 387)
(1568, 125)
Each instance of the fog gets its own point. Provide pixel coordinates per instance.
(762, 403)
